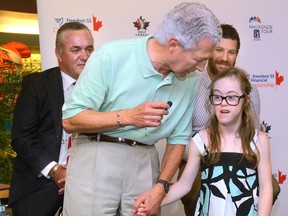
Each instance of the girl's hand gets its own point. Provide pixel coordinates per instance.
(142, 211)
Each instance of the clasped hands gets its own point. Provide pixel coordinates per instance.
(148, 203)
(60, 178)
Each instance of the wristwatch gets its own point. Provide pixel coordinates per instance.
(166, 184)
(53, 171)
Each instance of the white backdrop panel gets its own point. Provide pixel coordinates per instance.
(263, 52)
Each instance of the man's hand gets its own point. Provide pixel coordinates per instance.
(60, 178)
(148, 114)
(151, 199)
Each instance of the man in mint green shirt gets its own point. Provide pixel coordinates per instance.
(119, 110)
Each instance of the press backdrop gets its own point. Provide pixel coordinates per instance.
(263, 30)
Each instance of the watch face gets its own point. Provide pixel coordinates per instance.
(166, 184)
(166, 187)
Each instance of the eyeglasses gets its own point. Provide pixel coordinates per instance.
(231, 100)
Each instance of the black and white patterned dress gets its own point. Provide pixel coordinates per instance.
(229, 187)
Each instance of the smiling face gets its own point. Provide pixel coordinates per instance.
(223, 57)
(75, 48)
(186, 61)
(227, 114)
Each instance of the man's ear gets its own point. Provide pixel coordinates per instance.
(173, 44)
(58, 54)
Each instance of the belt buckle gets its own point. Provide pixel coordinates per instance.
(122, 140)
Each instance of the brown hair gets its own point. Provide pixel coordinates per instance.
(229, 32)
(246, 129)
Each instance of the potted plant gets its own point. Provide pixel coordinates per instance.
(10, 79)
(11, 75)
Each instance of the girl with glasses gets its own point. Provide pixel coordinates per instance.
(233, 156)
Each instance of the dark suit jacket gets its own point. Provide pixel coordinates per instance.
(36, 131)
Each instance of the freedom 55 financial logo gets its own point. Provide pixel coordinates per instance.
(96, 24)
(266, 80)
(258, 28)
(281, 177)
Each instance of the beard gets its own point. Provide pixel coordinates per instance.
(212, 65)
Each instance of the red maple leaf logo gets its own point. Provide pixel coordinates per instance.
(96, 24)
(137, 24)
(281, 177)
(279, 78)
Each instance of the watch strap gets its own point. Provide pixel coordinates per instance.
(165, 183)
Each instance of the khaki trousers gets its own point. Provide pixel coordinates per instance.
(103, 178)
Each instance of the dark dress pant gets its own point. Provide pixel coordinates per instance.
(43, 202)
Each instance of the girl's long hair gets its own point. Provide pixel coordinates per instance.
(246, 129)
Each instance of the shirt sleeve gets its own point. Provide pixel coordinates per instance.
(255, 106)
(198, 141)
(94, 76)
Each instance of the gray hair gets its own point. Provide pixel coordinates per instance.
(189, 22)
(76, 26)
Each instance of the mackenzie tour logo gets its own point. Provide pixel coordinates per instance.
(258, 28)
(266, 80)
(96, 23)
(141, 25)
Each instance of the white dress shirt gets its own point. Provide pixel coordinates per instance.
(68, 85)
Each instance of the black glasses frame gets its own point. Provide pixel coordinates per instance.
(225, 98)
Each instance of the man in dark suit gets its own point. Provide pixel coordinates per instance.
(38, 138)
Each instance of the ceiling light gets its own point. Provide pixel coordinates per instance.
(16, 22)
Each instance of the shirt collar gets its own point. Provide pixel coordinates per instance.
(67, 80)
(205, 78)
(144, 62)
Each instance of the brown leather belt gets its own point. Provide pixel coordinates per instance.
(104, 138)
